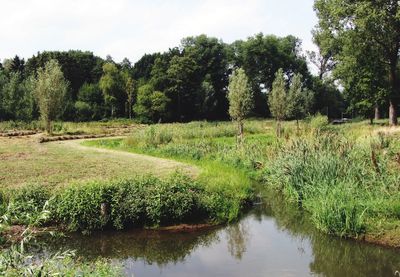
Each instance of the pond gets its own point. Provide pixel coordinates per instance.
(270, 240)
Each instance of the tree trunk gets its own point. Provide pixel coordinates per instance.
(240, 132)
(112, 111)
(394, 90)
(393, 112)
(48, 127)
(278, 128)
(377, 113)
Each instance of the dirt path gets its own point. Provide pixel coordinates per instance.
(156, 164)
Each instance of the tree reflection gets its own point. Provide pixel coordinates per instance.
(237, 239)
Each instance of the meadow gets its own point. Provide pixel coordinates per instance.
(345, 177)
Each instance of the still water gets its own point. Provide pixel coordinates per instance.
(270, 240)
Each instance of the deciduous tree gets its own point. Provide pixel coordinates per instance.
(277, 100)
(240, 99)
(50, 90)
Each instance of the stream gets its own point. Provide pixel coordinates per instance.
(272, 239)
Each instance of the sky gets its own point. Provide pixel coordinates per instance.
(131, 28)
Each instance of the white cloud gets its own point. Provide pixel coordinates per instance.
(124, 28)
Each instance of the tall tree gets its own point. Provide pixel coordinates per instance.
(129, 87)
(50, 90)
(240, 99)
(261, 56)
(374, 23)
(112, 86)
(17, 98)
(184, 81)
(277, 100)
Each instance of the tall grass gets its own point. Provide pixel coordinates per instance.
(345, 184)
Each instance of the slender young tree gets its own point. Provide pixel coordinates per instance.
(130, 92)
(50, 89)
(277, 100)
(111, 86)
(240, 99)
(299, 101)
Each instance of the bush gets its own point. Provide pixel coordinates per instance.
(25, 205)
(142, 201)
(82, 206)
(319, 122)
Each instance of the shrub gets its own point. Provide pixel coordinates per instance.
(319, 122)
(82, 206)
(25, 205)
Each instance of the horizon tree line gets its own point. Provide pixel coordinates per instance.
(189, 82)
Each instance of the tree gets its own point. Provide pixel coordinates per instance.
(373, 23)
(17, 100)
(184, 82)
(277, 100)
(210, 55)
(261, 56)
(299, 101)
(150, 106)
(50, 90)
(240, 99)
(111, 86)
(129, 85)
(90, 103)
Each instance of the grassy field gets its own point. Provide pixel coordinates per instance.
(346, 177)
(25, 161)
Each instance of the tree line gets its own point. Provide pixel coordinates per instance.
(188, 82)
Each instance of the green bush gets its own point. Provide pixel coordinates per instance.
(319, 122)
(82, 206)
(25, 205)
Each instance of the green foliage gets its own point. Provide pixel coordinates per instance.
(16, 101)
(261, 56)
(277, 99)
(367, 57)
(90, 104)
(111, 84)
(240, 97)
(25, 206)
(50, 90)
(15, 261)
(319, 122)
(135, 202)
(150, 105)
(299, 101)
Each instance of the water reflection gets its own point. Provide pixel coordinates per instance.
(272, 240)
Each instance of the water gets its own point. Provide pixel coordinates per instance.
(271, 240)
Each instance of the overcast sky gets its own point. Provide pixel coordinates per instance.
(131, 28)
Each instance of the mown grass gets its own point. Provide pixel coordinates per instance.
(24, 161)
(347, 177)
(71, 128)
